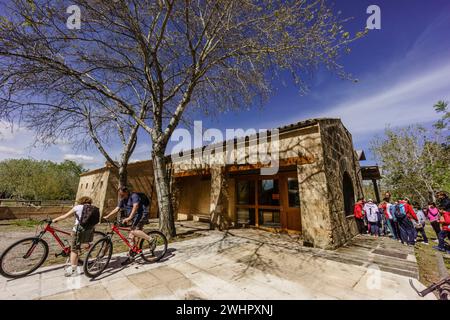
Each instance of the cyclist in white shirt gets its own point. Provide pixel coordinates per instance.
(79, 234)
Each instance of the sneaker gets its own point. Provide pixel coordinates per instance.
(426, 243)
(70, 272)
(438, 248)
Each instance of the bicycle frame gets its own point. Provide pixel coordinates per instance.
(116, 229)
(53, 232)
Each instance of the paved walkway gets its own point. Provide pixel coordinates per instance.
(240, 264)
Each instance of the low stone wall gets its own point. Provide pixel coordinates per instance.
(32, 212)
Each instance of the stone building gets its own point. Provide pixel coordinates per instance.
(312, 193)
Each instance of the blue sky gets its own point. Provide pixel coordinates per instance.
(402, 70)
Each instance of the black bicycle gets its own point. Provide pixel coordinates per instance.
(442, 287)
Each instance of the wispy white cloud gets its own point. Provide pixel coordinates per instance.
(80, 157)
(9, 132)
(9, 151)
(143, 148)
(399, 103)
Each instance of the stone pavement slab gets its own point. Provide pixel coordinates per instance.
(240, 264)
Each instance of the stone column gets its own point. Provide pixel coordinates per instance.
(314, 205)
(218, 199)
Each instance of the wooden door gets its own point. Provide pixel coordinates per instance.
(290, 202)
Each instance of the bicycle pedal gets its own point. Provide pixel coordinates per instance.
(62, 253)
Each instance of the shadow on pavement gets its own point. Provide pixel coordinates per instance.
(115, 265)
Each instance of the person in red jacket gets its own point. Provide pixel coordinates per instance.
(407, 229)
(445, 232)
(359, 215)
(410, 211)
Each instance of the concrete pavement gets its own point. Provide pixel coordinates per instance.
(240, 264)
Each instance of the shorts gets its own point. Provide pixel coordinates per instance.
(81, 236)
(139, 222)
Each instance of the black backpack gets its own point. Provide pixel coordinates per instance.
(144, 199)
(90, 216)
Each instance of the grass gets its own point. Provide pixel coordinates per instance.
(427, 259)
(19, 224)
(447, 262)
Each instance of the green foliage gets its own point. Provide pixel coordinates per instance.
(25, 223)
(414, 162)
(443, 123)
(39, 180)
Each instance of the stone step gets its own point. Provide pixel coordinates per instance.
(201, 218)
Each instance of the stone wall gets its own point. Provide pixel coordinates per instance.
(7, 213)
(101, 185)
(315, 219)
(94, 186)
(339, 157)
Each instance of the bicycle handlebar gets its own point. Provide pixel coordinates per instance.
(117, 222)
(48, 220)
(432, 287)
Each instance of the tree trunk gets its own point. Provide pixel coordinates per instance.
(162, 183)
(123, 175)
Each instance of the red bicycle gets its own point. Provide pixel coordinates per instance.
(26, 255)
(99, 255)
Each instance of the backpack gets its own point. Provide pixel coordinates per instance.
(144, 199)
(400, 211)
(392, 210)
(90, 216)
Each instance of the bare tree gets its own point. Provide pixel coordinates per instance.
(161, 57)
(84, 124)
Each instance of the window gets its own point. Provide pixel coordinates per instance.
(246, 216)
(269, 218)
(269, 194)
(245, 192)
(101, 184)
(87, 185)
(93, 185)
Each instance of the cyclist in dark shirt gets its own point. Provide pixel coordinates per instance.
(127, 204)
(137, 214)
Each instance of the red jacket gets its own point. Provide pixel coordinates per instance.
(409, 211)
(446, 222)
(358, 210)
(384, 207)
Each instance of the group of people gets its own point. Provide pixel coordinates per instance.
(404, 221)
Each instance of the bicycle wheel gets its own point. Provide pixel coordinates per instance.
(98, 257)
(155, 248)
(85, 247)
(23, 257)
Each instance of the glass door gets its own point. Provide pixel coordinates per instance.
(245, 202)
(269, 203)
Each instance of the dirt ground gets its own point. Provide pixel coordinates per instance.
(14, 230)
